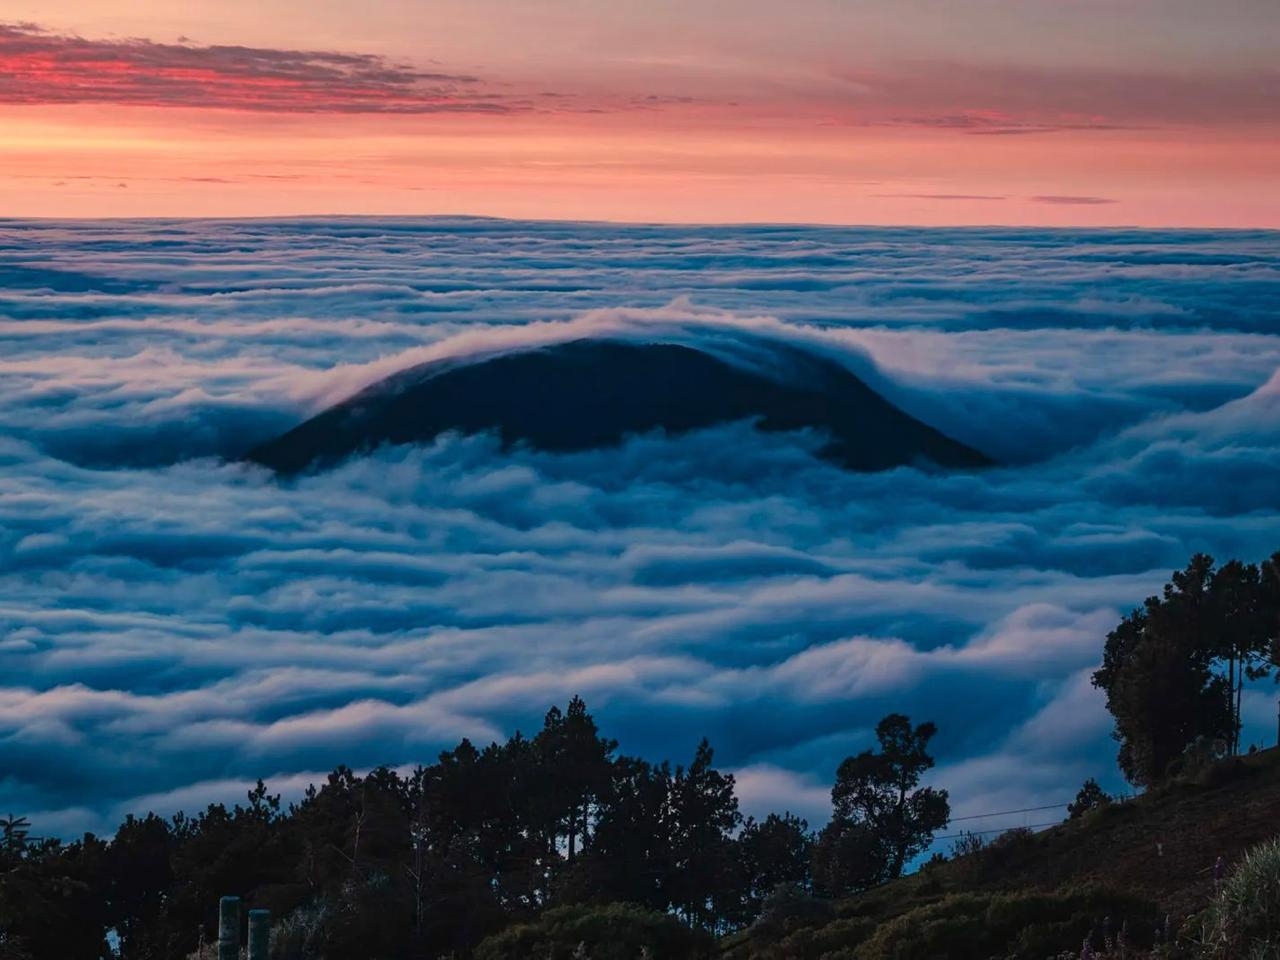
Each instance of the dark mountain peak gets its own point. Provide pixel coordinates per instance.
(591, 393)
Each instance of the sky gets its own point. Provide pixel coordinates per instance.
(1159, 113)
(175, 624)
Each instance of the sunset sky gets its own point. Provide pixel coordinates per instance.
(1055, 112)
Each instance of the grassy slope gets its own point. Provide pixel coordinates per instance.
(1229, 808)
(1235, 805)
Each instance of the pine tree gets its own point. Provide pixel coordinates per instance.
(878, 807)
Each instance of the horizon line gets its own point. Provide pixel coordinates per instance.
(665, 224)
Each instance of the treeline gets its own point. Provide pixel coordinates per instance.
(430, 863)
(1174, 670)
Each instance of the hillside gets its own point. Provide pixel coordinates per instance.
(587, 394)
(1143, 860)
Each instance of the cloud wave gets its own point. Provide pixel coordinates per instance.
(173, 626)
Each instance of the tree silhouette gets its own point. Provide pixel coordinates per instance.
(577, 762)
(630, 858)
(770, 853)
(1174, 669)
(704, 814)
(1244, 631)
(13, 833)
(1090, 797)
(848, 857)
(1269, 589)
(483, 840)
(878, 807)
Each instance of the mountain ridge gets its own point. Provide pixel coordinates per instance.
(594, 392)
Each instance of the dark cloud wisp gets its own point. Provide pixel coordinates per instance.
(1072, 200)
(38, 66)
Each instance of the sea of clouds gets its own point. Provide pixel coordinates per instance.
(174, 624)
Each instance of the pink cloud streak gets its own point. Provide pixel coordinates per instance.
(41, 67)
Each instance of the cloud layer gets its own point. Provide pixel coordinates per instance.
(173, 626)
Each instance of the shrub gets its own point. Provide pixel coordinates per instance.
(789, 908)
(363, 918)
(1114, 811)
(1090, 797)
(615, 931)
(1196, 759)
(1243, 922)
(953, 927)
(1028, 926)
(967, 844)
(990, 862)
(929, 884)
(839, 936)
(1224, 772)
(301, 934)
(1012, 839)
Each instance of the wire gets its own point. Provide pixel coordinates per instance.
(1116, 798)
(983, 833)
(1005, 813)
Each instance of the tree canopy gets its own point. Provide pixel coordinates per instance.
(1174, 669)
(539, 837)
(881, 816)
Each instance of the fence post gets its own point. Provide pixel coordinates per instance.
(259, 934)
(229, 928)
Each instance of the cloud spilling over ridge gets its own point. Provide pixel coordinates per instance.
(171, 629)
(954, 324)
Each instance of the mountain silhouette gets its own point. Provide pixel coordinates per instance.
(592, 393)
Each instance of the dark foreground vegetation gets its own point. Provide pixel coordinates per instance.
(1145, 876)
(557, 846)
(433, 861)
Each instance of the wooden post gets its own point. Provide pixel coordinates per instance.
(229, 928)
(259, 934)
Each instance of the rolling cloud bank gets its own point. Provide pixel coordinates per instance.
(175, 624)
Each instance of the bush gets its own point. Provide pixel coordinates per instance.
(1014, 838)
(980, 863)
(844, 934)
(1224, 772)
(1028, 926)
(364, 918)
(1090, 797)
(967, 845)
(615, 931)
(1196, 759)
(787, 909)
(1243, 922)
(300, 935)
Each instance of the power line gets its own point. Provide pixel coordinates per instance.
(1006, 813)
(1115, 798)
(983, 833)
(1119, 798)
